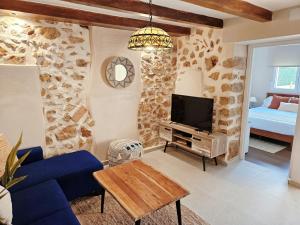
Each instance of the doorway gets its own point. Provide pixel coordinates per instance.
(273, 76)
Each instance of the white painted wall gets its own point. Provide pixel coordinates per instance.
(264, 61)
(295, 158)
(190, 83)
(21, 105)
(262, 73)
(114, 110)
(285, 55)
(285, 23)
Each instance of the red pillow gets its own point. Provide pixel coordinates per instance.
(276, 101)
(294, 100)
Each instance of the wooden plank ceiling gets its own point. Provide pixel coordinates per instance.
(236, 7)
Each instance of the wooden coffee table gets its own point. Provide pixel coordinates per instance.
(140, 189)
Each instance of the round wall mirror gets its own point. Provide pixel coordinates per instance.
(120, 72)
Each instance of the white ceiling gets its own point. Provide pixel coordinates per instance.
(184, 6)
(275, 5)
(272, 5)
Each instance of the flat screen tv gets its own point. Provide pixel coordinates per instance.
(193, 111)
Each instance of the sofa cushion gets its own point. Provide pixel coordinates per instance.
(72, 171)
(36, 154)
(37, 202)
(62, 217)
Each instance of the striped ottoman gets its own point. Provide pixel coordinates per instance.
(124, 150)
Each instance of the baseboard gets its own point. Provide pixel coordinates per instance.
(293, 183)
(154, 148)
(233, 160)
(146, 150)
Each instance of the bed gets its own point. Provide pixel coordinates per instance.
(272, 123)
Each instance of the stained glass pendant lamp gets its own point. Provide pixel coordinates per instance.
(150, 38)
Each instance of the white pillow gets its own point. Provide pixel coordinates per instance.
(288, 107)
(6, 207)
(267, 102)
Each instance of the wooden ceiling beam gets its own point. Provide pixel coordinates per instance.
(236, 7)
(161, 12)
(44, 11)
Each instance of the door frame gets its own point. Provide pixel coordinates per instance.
(247, 89)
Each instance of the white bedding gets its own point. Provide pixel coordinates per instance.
(273, 120)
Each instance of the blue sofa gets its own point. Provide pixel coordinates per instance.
(43, 197)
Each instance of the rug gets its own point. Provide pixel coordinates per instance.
(266, 146)
(87, 211)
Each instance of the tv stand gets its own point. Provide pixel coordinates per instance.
(204, 144)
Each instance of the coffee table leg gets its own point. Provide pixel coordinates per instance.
(178, 208)
(138, 222)
(102, 201)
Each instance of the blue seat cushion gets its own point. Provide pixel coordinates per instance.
(62, 217)
(37, 202)
(73, 172)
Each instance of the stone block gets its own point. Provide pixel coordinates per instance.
(49, 140)
(75, 40)
(211, 62)
(214, 76)
(66, 133)
(3, 52)
(227, 100)
(235, 62)
(79, 113)
(233, 149)
(226, 87)
(185, 51)
(81, 63)
(229, 76)
(238, 87)
(187, 64)
(45, 77)
(85, 132)
(77, 76)
(15, 59)
(50, 33)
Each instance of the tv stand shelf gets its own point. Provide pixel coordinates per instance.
(207, 145)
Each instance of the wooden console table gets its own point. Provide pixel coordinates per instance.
(188, 139)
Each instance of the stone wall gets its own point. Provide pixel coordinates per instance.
(62, 52)
(223, 69)
(158, 74)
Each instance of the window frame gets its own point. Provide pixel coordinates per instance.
(284, 90)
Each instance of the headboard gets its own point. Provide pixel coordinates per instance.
(283, 95)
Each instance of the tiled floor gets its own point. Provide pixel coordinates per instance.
(279, 161)
(242, 193)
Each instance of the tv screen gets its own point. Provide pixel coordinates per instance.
(192, 111)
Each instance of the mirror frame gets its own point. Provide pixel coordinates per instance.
(110, 72)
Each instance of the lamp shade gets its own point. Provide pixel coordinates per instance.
(253, 99)
(150, 38)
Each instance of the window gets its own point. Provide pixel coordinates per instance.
(287, 78)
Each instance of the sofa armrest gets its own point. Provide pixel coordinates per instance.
(36, 154)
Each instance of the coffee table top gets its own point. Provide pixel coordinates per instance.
(139, 188)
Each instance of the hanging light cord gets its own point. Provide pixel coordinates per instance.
(150, 12)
